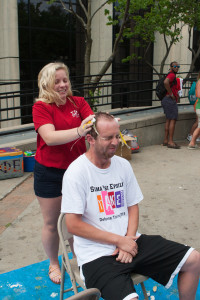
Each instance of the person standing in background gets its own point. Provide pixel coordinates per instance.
(60, 120)
(170, 107)
(192, 98)
(194, 126)
(192, 145)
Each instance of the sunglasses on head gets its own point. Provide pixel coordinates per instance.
(175, 66)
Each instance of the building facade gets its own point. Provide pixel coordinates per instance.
(33, 33)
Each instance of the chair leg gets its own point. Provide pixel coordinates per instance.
(62, 280)
(74, 284)
(144, 291)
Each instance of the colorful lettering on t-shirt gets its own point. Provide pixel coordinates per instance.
(111, 197)
(108, 201)
(100, 203)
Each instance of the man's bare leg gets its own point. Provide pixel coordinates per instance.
(172, 124)
(188, 278)
(194, 137)
(166, 131)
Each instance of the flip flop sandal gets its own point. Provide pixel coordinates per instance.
(192, 147)
(175, 146)
(54, 273)
(165, 144)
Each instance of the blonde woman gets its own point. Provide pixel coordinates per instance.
(192, 145)
(60, 122)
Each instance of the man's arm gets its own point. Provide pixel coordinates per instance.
(76, 226)
(168, 88)
(198, 89)
(133, 221)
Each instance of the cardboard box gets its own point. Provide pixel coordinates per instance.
(123, 150)
(11, 163)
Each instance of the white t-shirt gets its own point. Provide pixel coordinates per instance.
(101, 196)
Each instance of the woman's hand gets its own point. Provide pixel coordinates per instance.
(85, 126)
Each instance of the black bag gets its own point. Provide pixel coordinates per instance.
(160, 88)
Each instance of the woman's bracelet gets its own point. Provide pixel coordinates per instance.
(78, 133)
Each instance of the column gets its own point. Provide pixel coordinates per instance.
(9, 60)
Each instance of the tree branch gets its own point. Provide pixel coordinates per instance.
(189, 40)
(150, 65)
(147, 49)
(116, 43)
(71, 11)
(168, 48)
(195, 56)
(102, 5)
(83, 7)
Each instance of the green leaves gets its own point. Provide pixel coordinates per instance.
(50, 1)
(166, 17)
(106, 12)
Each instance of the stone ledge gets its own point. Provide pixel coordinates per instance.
(27, 144)
(150, 129)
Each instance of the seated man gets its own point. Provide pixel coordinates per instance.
(100, 199)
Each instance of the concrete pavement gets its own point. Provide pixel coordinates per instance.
(8, 185)
(169, 180)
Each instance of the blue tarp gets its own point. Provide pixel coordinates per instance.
(32, 282)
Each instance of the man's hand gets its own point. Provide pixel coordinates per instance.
(123, 256)
(128, 244)
(173, 97)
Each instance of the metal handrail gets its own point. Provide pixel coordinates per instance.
(110, 93)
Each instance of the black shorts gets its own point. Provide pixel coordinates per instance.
(47, 181)
(170, 108)
(157, 258)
